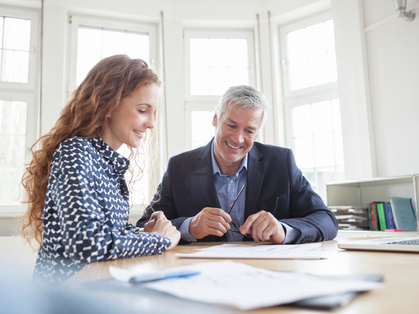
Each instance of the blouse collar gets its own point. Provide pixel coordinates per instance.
(118, 162)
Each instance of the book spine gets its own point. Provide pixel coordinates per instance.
(389, 216)
(369, 216)
(377, 221)
(393, 211)
(372, 216)
(381, 216)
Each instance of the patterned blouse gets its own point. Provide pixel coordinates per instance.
(86, 212)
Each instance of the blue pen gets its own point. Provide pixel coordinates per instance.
(163, 275)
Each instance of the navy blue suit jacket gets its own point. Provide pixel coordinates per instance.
(188, 186)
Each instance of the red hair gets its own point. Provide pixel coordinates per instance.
(101, 92)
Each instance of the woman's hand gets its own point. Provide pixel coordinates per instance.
(159, 224)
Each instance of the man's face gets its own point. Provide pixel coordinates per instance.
(235, 132)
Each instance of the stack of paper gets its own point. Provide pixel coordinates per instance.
(301, 251)
(245, 287)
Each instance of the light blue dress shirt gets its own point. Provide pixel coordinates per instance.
(227, 188)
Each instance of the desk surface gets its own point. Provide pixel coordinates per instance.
(397, 295)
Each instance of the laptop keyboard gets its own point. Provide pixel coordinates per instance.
(406, 242)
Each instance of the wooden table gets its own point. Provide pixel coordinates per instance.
(398, 293)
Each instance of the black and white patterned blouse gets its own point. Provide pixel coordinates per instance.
(86, 212)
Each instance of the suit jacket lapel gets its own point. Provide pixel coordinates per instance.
(255, 175)
(205, 177)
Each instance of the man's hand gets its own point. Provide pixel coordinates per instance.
(264, 227)
(209, 221)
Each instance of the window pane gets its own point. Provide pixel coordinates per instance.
(311, 56)
(297, 45)
(318, 70)
(325, 140)
(238, 52)
(12, 154)
(340, 171)
(202, 129)
(238, 76)
(218, 52)
(304, 154)
(322, 118)
(89, 42)
(15, 66)
(138, 46)
(316, 39)
(301, 118)
(218, 80)
(223, 60)
(84, 65)
(9, 186)
(94, 44)
(199, 52)
(324, 175)
(298, 74)
(17, 34)
(113, 43)
(200, 81)
(12, 117)
(324, 150)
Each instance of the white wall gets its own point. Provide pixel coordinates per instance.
(393, 64)
(376, 55)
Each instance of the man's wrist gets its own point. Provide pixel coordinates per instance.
(184, 230)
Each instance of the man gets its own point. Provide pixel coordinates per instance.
(277, 203)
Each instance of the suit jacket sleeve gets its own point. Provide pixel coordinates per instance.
(308, 213)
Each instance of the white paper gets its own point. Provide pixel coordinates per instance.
(245, 287)
(232, 251)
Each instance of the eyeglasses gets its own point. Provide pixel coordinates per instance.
(235, 229)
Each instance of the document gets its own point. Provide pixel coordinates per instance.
(232, 251)
(244, 287)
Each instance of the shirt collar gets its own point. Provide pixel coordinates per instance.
(118, 162)
(216, 168)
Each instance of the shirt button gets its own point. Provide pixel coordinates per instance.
(231, 181)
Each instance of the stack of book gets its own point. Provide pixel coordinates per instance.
(351, 217)
(397, 214)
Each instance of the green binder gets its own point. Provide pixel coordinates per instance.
(381, 216)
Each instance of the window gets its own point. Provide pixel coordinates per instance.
(95, 39)
(214, 61)
(18, 109)
(311, 100)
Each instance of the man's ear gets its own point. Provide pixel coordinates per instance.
(214, 120)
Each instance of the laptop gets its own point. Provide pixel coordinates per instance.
(394, 244)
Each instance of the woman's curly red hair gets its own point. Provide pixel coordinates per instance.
(101, 92)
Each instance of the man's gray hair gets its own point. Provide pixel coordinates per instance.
(246, 96)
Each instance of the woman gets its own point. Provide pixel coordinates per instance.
(77, 195)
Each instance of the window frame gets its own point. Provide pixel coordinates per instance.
(283, 30)
(209, 102)
(309, 95)
(78, 20)
(26, 92)
(33, 16)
